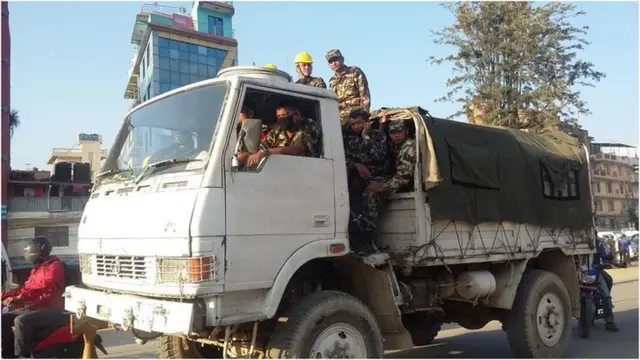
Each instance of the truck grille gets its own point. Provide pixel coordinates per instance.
(121, 267)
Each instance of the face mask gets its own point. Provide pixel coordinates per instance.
(285, 122)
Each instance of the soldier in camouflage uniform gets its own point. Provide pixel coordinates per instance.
(367, 159)
(350, 84)
(304, 67)
(404, 149)
(293, 135)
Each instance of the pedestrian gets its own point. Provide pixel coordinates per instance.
(304, 68)
(350, 85)
(623, 245)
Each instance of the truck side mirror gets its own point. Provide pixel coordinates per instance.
(14, 287)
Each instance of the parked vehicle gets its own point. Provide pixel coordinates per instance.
(215, 259)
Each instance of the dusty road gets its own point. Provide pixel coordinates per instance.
(489, 342)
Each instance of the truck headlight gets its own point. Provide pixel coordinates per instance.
(85, 263)
(186, 270)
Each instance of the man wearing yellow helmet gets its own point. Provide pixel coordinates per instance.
(304, 67)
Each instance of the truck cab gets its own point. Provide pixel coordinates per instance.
(179, 243)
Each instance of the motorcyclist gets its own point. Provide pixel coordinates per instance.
(605, 284)
(40, 299)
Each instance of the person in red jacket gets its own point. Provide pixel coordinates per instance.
(39, 299)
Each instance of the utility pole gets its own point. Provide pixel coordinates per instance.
(6, 109)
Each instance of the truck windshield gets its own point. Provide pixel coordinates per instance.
(173, 130)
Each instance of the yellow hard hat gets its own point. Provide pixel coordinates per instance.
(304, 58)
(271, 66)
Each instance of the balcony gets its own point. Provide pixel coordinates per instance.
(69, 154)
(614, 175)
(625, 160)
(47, 204)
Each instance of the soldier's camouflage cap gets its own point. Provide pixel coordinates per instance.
(396, 125)
(333, 53)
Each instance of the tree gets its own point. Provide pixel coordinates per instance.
(14, 121)
(516, 64)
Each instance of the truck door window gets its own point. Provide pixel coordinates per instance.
(300, 117)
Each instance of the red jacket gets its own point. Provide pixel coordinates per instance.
(44, 288)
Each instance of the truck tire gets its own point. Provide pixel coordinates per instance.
(327, 324)
(539, 323)
(175, 347)
(424, 328)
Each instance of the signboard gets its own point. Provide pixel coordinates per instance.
(88, 137)
(182, 22)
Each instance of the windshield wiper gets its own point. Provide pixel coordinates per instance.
(160, 164)
(111, 172)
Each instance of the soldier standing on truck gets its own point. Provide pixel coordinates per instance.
(350, 85)
(304, 67)
(367, 159)
(404, 149)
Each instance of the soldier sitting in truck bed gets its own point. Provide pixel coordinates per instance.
(404, 151)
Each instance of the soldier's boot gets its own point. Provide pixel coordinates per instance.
(359, 240)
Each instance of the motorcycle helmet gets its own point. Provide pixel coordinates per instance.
(37, 249)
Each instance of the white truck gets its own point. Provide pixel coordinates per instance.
(214, 260)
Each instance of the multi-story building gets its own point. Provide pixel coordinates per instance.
(87, 149)
(38, 206)
(173, 49)
(615, 185)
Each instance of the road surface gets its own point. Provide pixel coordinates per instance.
(489, 342)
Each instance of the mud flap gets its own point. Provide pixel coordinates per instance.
(373, 287)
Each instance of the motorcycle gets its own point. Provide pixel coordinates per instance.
(591, 307)
(62, 340)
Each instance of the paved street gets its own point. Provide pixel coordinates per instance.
(489, 342)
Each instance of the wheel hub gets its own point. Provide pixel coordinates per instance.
(339, 341)
(550, 319)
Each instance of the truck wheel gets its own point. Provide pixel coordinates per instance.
(423, 327)
(327, 324)
(175, 347)
(539, 323)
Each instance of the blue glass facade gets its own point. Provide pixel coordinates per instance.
(180, 63)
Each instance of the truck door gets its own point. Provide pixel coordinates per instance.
(274, 210)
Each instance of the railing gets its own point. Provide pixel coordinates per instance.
(103, 152)
(44, 203)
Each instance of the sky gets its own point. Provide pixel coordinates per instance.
(69, 61)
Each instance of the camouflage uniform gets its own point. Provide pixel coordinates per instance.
(405, 154)
(374, 154)
(312, 81)
(309, 132)
(352, 88)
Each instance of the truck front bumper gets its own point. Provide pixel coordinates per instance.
(130, 311)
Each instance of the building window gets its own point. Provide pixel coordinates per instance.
(216, 26)
(612, 223)
(609, 187)
(181, 63)
(58, 235)
(611, 206)
(599, 205)
(597, 186)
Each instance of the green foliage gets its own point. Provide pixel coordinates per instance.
(14, 121)
(518, 62)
